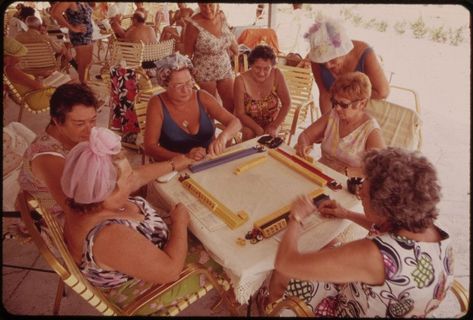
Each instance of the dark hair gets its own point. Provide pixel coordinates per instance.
(67, 96)
(139, 16)
(263, 52)
(25, 12)
(403, 188)
(84, 208)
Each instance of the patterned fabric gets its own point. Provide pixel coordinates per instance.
(175, 139)
(339, 153)
(262, 111)
(83, 15)
(417, 277)
(327, 76)
(124, 91)
(42, 145)
(121, 288)
(211, 59)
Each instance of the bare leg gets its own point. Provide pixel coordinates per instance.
(277, 285)
(83, 58)
(225, 90)
(210, 87)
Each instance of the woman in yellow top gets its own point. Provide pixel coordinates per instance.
(38, 95)
(261, 96)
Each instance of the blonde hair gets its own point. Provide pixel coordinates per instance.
(353, 86)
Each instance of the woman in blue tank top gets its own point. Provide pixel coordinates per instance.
(181, 119)
(333, 53)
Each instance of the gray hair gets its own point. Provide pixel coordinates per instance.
(167, 65)
(403, 188)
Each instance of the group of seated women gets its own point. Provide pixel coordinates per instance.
(401, 269)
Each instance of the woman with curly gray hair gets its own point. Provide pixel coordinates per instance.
(181, 119)
(402, 268)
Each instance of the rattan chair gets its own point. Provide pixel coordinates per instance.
(57, 255)
(157, 51)
(40, 59)
(28, 101)
(400, 126)
(299, 82)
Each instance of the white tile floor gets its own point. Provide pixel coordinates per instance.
(444, 91)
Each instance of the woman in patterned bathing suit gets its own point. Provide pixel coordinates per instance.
(208, 39)
(77, 17)
(404, 266)
(257, 95)
(120, 243)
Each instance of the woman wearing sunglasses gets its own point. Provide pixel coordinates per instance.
(347, 131)
(181, 119)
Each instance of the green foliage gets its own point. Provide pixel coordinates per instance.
(438, 34)
(381, 26)
(400, 26)
(456, 36)
(419, 29)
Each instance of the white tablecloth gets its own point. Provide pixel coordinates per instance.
(259, 191)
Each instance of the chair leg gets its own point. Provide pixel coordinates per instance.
(20, 113)
(59, 294)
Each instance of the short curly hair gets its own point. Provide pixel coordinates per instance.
(403, 188)
(166, 66)
(263, 52)
(68, 95)
(352, 85)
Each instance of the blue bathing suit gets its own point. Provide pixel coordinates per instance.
(327, 77)
(175, 139)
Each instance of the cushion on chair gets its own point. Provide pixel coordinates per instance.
(401, 126)
(16, 138)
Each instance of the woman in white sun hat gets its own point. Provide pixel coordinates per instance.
(332, 53)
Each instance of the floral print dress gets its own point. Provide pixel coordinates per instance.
(417, 277)
(44, 144)
(211, 59)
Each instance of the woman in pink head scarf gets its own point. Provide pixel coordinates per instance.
(120, 243)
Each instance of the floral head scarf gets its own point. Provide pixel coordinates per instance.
(167, 65)
(328, 40)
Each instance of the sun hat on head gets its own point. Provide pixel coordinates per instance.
(89, 174)
(328, 40)
(173, 62)
(14, 48)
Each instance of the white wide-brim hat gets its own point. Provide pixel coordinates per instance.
(328, 40)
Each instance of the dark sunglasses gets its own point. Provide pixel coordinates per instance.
(341, 104)
(270, 142)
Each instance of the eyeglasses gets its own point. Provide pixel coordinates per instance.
(342, 104)
(188, 84)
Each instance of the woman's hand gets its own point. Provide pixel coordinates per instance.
(197, 154)
(332, 209)
(303, 146)
(180, 214)
(217, 146)
(78, 28)
(272, 129)
(302, 207)
(181, 162)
